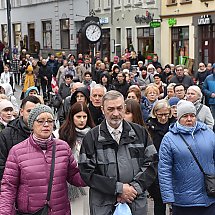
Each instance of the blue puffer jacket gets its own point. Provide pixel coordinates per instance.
(209, 87)
(181, 181)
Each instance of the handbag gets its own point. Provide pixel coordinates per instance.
(45, 209)
(208, 179)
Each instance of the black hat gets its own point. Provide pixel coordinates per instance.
(167, 66)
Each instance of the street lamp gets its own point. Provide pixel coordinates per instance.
(9, 26)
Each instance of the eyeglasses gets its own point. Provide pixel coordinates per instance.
(43, 122)
(162, 114)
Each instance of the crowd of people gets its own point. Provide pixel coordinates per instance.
(115, 128)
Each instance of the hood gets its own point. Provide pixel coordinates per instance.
(175, 129)
(8, 89)
(150, 66)
(83, 90)
(106, 74)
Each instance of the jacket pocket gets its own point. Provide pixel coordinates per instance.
(23, 199)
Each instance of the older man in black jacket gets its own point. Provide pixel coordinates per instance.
(117, 161)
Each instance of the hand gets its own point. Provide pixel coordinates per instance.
(128, 193)
(45, 78)
(213, 95)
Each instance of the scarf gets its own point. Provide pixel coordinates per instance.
(186, 129)
(41, 142)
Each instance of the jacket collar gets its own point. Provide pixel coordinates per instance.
(128, 134)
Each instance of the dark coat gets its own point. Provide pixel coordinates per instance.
(96, 114)
(105, 165)
(187, 81)
(15, 132)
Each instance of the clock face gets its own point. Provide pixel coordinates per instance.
(93, 32)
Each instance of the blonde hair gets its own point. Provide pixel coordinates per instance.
(163, 103)
(153, 88)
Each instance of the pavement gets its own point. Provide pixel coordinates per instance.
(17, 94)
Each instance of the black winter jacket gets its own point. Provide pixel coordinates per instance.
(15, 132)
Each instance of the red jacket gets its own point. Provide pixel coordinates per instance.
(26, 178)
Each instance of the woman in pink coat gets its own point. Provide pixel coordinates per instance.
(26, 176)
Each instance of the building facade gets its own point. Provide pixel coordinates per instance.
(126, 24)
(47, 25)
(188, 32)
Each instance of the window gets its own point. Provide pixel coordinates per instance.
(180, 44)
(127, 2)
(107, 4)
(3, 4)
(129, 36)
(185, 1)
(16, 33)
(97, 4)
(117, 3)
(47, 34)
(171, 2)
(18, 3)
(4, 33)
(64, 33)
(145, 38)
(138, 1)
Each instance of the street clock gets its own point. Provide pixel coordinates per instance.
(92, 32)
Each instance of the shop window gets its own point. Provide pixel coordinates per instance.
(180, 45)
(145, 39)
(47, 34)
(64, 33)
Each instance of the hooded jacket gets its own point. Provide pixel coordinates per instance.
(15, 132)
(181, 181)
(9, 93)
(26, 178)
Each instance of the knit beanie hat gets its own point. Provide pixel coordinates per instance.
(197, 90)
(4, 103)
(36, 112)
(173, 101)
(185, 107)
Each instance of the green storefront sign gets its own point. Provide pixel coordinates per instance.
(172, 22)
(155, 24)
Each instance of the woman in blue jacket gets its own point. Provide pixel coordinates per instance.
(181, 181)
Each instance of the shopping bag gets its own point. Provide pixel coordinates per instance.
(122, 209)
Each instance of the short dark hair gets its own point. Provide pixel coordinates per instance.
(32, 99)
(88, 73)
(179, 84)
(143, 68)
(69, 76)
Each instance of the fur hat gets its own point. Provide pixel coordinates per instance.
(185, 107)
(36, 112)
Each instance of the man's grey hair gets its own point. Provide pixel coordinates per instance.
(178, 66)
(97, 86)
(111, 95)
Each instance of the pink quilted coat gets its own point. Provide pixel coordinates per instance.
(26, 178)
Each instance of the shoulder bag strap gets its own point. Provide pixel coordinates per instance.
(51, 172)
(194, 156)
(197, 112)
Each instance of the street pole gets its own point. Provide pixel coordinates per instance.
(9, 28)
